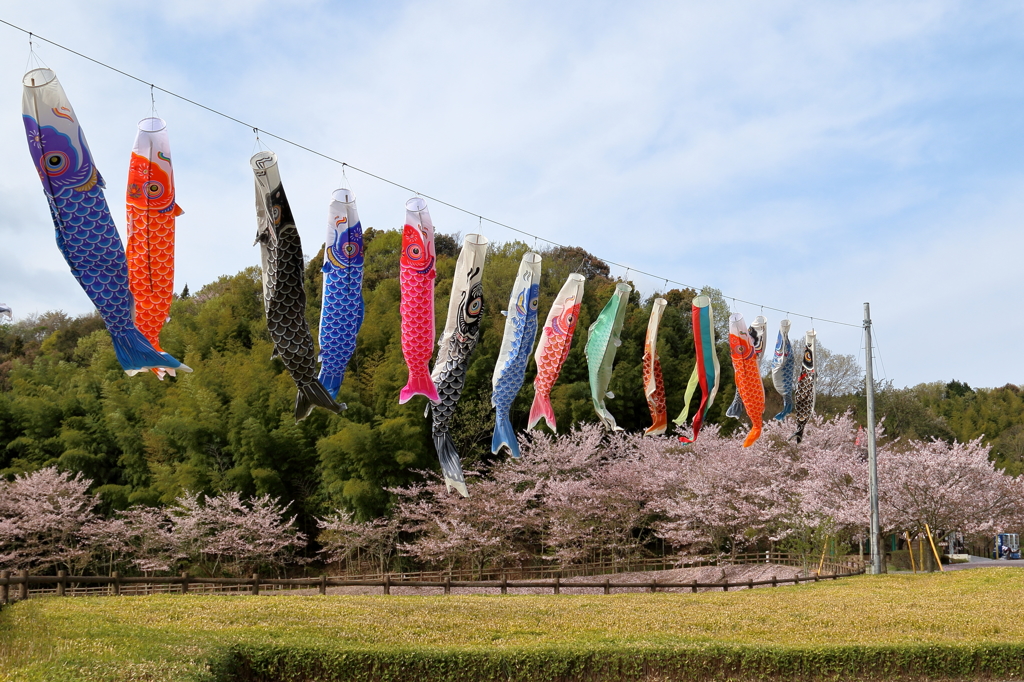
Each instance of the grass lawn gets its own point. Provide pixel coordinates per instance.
(959, 624)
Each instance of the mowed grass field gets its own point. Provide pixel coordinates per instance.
(963, 624)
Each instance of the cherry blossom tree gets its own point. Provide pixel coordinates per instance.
(342, 538)
(44, 518)
(225, 532)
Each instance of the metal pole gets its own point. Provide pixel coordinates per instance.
(869, 389)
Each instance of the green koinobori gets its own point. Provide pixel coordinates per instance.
(602, 342)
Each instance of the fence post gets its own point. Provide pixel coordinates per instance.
(654, 585)
(256, 584)
(693, 587)
(725, 585)
(767, 556)
(607, 588)
(504, 584)
(558, 586)
(4, 590)
(448, 584)
(23, 587)
(323, 584)
(750, 583)
(184, 582)
(117, 583)
(775, 583)
(387, 583)
(60, 583)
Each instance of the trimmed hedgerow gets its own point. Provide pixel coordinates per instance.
(960, 624)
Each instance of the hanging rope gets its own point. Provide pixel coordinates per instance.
(393, 183)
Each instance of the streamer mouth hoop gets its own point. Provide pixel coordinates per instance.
(416, 204)
(531, 258)
(344, 196)
(476, 240)
(577, 277)
(37, 78)
(152, 124)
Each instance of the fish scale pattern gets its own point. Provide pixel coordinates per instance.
(150, 252)
(524, 331)
(92, 247)
(340, 319)
(417, 318)
(284, 297)
(549, 364)
(656, 400)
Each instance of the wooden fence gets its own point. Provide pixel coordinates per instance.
(23, 585)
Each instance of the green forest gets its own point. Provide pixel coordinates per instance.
(228, 426)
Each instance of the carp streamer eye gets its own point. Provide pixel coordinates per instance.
(740, 348)
(414, 252)
(275, 214)
(350, 249)
(55, 163)
(475, 305)
(533, 304)
(570, 320)
(154, 190)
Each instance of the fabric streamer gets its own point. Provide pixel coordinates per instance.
(757, 332)
(416, 274)
(152, 210)
(553, 347)
(654, 385)
(5, 311)
(284, 298)
(602, 343)
(707, 371)
(459, 338)
(748, 375)
(341, 310)
(516, 346)
(85, 231)
(803, 396)
(783, 366)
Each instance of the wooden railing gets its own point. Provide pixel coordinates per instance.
(20, 586)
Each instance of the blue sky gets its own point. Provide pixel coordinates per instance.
(809, 156)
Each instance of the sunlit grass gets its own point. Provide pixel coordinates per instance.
(171, 637)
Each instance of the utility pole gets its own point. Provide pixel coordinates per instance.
(869, 389)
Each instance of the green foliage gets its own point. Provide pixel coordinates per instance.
(227, 426)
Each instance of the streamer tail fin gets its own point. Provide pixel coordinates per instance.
(314, 395)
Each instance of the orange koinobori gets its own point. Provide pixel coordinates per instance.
(748, 375)
(654, 385)
(151, 216)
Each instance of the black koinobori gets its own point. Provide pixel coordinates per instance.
(284, 298)
(459, 338)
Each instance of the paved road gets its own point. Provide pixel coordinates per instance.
(982, 562)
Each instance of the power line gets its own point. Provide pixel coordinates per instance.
(343, 164)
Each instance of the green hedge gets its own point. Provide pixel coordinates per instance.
(246, 663)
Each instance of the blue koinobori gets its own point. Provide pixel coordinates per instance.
(341, 312)
(85, 231)
(516, 348)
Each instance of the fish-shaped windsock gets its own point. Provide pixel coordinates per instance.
(85, 231)
(284, 298)
(602, 343)
(516, 346)
(707, 371)
(748, 375)
(553, 347)
(416, 274)
(757, 332)
(783, 366)
(803, 396)
(654, 385)
(341, 309)
(152, 210)
(459, 338)
(5, 311)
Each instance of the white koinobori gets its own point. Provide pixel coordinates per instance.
(5, 311)
(459, 338)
